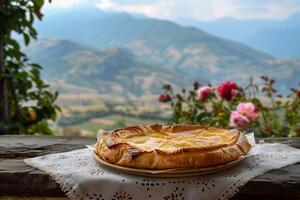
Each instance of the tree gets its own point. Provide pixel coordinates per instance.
(26, 104)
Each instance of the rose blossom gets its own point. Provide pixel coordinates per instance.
(227, 90)
(244, 114)
(248, 110)
(204, 92)
(238, 120)
(164, 98)
(267, 129)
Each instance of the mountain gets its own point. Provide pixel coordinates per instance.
(160, 42)
(281, 42)
(67, 22)
(169, 45)
(276, 37)
(229, 28)
(55, 56)
(114, 71)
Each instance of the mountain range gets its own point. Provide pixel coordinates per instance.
(279, 38)
(113, 71)
(127, 55)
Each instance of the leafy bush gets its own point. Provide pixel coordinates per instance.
(26, 104)
(257, 108)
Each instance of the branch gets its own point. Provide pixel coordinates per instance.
(3, 87)
(14, 95)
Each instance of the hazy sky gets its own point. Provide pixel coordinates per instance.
(196, 9)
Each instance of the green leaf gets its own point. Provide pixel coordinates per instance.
(167, 87)
(39, 3)
(256, 102)
(35, 65)
(179, 97)
(26, 38)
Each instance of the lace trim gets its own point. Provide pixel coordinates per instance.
(63, 184)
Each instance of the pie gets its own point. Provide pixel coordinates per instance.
(169, 147)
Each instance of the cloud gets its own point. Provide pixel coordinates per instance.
(160, 8)
(64, 3)
(206, 9)
(197, 9)
(69, 3)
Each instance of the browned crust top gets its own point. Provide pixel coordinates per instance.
(113, 148)
(113, 138)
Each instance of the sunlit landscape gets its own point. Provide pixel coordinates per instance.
(109, 67)
(149, 99)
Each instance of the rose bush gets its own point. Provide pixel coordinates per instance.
(257, 108)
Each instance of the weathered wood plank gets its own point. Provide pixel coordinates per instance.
(293, 142)
(32, 146)
(33, 198)
(18, 179)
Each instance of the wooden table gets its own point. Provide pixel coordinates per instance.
(19, 181)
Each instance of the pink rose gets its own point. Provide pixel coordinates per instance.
(204, 92)
(227, 90)
(164, 98)
(248, 110)
(238, 121)
(244, 114)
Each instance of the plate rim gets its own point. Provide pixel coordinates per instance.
(172, 172)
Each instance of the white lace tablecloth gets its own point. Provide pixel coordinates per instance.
(81, 177)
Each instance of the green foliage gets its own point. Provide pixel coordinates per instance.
(31, 105)
(275, 115)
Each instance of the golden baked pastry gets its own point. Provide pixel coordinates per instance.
(168, 147)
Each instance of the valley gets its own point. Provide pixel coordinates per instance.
(111, 74)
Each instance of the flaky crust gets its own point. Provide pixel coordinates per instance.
(198, 146)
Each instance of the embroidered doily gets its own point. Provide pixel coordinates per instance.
(81, 177)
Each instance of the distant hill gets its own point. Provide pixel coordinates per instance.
(163, 43)
(168, 45)
(278, 38)
(113, 71)
(55, 56)
(281, 42)
(118, 72)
